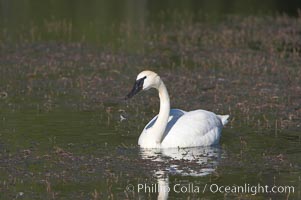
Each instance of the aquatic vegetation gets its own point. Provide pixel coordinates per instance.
(251, 62)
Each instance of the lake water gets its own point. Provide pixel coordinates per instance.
(67, 133)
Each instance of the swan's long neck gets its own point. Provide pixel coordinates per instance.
(161, 122)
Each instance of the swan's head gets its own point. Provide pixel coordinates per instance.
(144, 81)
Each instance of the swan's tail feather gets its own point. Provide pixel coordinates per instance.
(224, 119)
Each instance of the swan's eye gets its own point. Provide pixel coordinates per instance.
(138, 85)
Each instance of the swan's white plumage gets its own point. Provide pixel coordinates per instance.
(176, 128)
(187, 129)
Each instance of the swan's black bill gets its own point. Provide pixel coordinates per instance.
(138, 85)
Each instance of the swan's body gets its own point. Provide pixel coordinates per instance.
(186, 129)
(176, 128)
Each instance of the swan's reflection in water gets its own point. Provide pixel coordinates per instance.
(198, 161)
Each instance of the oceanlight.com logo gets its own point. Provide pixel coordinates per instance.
(250, 189)
(212, 188)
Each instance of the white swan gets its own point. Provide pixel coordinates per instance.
(176, 128)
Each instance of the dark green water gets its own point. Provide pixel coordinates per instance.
(66, 66)
(99, 21)
(80, 153)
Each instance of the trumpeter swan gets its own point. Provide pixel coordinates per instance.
(173, 128)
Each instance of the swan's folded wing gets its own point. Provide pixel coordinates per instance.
(195, 128)
(174, 115)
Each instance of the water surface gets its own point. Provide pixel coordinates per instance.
(67, 133)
